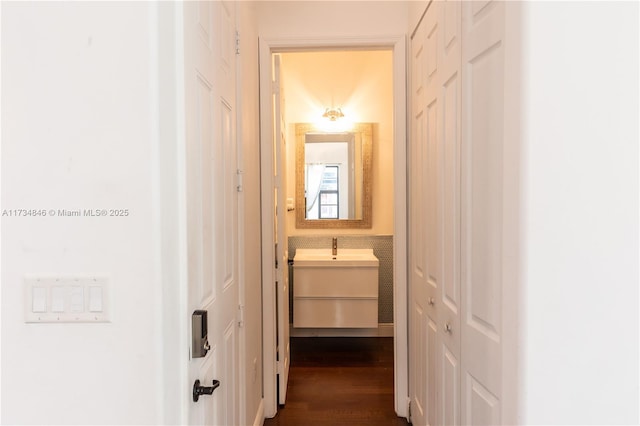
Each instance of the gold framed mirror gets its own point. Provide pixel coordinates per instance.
(333, 177)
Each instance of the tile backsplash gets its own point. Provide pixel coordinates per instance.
(382, 246)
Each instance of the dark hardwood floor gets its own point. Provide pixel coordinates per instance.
(339, 381)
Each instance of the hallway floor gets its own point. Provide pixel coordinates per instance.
(339, 381)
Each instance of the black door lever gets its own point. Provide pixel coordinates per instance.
(203, 390)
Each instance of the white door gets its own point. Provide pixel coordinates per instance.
(421, 326)
(483, 29)
(432, 233)
(211, 204)
(435, 354)
(449, 299)
(281, 245)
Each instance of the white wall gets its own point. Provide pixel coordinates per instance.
(361, 83)
(78, 132)
(249, 134)
(580, 169)
(332, 18)
(166, 171)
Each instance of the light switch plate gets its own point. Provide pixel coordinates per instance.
(66, 299)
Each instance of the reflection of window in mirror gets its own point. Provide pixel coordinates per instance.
(329, 200)
(322, 190)
(328, 166)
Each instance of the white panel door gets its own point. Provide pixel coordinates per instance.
(418, 322)
(281, 264)
(481, 210)
(435, 217)
(424, 276)
(432, 207)
(211, 204)
(449, 300)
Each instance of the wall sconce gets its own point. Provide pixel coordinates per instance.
(333, 114)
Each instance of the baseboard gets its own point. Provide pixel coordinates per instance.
(383, 330)
(259, 420)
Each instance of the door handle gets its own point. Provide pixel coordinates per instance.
(431, 301)
(448, 328)
(203, 390)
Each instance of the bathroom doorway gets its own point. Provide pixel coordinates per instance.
(307, 106)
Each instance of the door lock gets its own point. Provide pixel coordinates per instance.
(199, 340)
(203, 390)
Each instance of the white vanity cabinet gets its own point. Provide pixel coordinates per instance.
(335, 291)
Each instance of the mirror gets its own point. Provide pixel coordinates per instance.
(333, 177)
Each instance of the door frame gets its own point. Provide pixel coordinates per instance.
(267, 47)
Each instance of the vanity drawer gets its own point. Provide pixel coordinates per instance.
(347, 282)
(335, 312)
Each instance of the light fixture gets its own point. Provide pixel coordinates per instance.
(333, 114)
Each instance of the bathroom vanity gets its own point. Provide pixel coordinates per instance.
(335, 291)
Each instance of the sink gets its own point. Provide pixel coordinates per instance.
(335, 291)
(344, 258)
